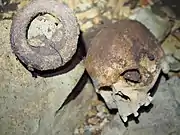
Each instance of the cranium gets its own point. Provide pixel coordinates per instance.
(125, 57)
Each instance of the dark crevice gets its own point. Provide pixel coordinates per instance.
(76, 91)
(153, 90)
(105, 88)
(123, 96)
(174, 6)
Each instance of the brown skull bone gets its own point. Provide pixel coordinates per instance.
(126, 57)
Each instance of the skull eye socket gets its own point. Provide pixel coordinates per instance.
(151, 57)
(132, 75)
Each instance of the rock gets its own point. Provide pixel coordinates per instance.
(101, 4)
(97, 20)
(87, 132)
(81, 131)
(101, 108)
(118, 9)
(112, 3)
(7, 9)
(1, 3)
(177, 54)
(28, 105)
(170, 45)
(171, 48)
(79, 5)
(103, 123)
(83, 6)
(162, 119)
(101, 115)
(91, 113)
(159, 26)
(86, 26)
(93, 120)
(89, 14)
(76, 131)
(107, 15)
(176, 25)
(73, 113)
(85, 11)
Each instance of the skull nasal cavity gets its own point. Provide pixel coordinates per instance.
(132, 75)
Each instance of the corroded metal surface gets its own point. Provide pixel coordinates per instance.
(56, 52)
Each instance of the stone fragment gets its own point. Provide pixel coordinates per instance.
(171, 48)
(159, 26)
(89, 14)
(170, 45)
(84, 27)
(93, 120)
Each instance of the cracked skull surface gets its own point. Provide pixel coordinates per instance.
(124, 62)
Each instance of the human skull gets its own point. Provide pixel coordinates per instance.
(125, 57)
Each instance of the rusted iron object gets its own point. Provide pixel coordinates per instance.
(41, 52)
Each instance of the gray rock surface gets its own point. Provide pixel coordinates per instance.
(162, 119)
(28, 105)
(160, 27)
(73, 114)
